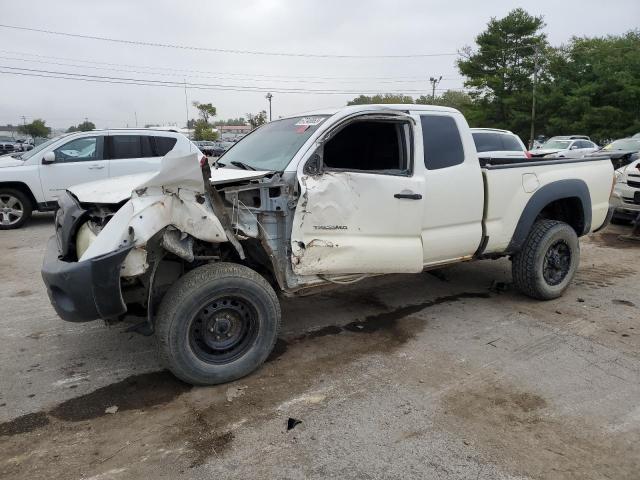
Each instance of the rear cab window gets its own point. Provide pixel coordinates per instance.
(496, 142)
(441, 141)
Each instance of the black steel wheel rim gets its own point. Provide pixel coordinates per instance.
(557, 262)
(223, 329)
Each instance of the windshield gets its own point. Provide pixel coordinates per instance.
(625, 144)
(558, 144)
(39, 148)
(272, 146)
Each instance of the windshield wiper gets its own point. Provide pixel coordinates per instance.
(241, 165)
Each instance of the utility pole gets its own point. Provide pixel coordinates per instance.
(135, 114)
(186, 105)
(434, 83)
(536, 53)
(269, 97)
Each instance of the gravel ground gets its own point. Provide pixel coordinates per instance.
(443, 375)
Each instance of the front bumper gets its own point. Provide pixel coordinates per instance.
(84, 291)
(626, 200)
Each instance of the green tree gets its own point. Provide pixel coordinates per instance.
(593, 87)
(37, 128)
(450, 98)
(205, 110)
(499, 71)
(204, 131)
(258, 119)
(82, 127)
(386, 98)
(238, 122)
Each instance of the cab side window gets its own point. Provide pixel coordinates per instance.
(441, 141)
(81, 150)
(370, 146)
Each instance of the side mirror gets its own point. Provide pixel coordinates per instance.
(48, 158)
(313, 165)
(573, 147)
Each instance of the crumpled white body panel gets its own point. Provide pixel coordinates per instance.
(149, 213)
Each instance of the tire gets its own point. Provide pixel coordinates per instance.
(15, 208)
(548, 261)
(204, 341)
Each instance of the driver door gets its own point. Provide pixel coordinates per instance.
(360, 207)
(78, 161)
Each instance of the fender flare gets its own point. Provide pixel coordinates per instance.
(559, 190)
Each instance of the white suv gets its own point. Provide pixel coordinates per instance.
(494, 143)
(33, 180)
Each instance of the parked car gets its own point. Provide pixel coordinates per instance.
(572, 146)
(637, 135)
(220, 148)
(494, 143)
(206, 147)
(7, 145)
(621, 152)
(302, 203)
(24, 145)
(35, 179)
(626, 194)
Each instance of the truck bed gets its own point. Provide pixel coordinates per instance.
(509, 186)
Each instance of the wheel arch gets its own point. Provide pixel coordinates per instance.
(24, 188)
(568, 201)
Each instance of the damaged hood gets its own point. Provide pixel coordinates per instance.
(177, 170)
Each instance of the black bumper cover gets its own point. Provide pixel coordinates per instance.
(83, 291)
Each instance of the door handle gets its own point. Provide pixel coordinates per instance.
(96, 167)
(410, 196)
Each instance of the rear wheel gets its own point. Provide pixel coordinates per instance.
(15, 208)
(218, 323)
(548, 261)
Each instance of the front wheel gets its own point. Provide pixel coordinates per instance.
(15, 208)
(216, 324)
(548, 261)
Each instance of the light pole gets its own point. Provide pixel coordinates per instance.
(434, 83)
(269, 97)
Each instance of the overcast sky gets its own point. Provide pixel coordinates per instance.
(335, 27)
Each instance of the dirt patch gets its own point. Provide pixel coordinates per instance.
(133, 393)
(613, 240)
(24, 424)
(598, 276)
(23, 293)
(203, 440)
(626, 303)
(518, 428)
(195, 424)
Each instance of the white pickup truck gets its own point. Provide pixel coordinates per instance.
(33, 180)
(300, 203)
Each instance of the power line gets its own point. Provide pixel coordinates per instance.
(197, 86)
(181, 72)
(222, 50)
(283, 80)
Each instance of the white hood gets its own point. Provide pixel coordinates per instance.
(9, 161)
(176, 170)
